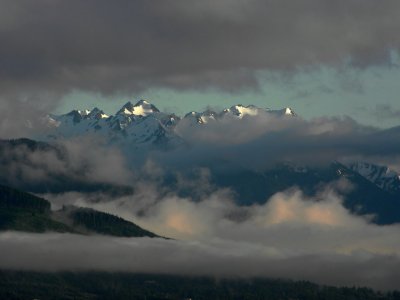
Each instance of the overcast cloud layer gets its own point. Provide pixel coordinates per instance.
(50, 48)
(260, 142)
(127, 45)
(53, 252)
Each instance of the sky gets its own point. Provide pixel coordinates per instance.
(369, 96)
(318, 57)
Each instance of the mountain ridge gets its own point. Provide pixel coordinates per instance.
(143, 123)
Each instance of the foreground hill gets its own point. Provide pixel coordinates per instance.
(87, 219)
(29, 285)
(25, 212)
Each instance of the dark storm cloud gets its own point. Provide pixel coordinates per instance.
(50, 48)
(260, 142)
(129, 45)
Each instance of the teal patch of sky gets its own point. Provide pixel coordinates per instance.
(324, 91)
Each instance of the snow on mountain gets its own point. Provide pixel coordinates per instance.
(141, 108)
(287, 111)
(381, 176)
(76, 123)
(142, 123)
(97, 114)
(201, 118)
(240, 111)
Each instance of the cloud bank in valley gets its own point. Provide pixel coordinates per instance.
(216, 215)
(53, 252)
(290, 236)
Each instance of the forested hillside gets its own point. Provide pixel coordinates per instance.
(25, 212)
(82, 286)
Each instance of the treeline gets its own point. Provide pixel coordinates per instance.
(108, 224)
(22, 211)
(13, 199)
(29, 285)
(25, 212)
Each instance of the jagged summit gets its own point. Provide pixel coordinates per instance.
(382, 176)
(141, 126)
(144, 108)
(76, 112)
(287, 111)
(202, 117)
(79, 115)
(141, 108)
(142, 123)
(240, 110)
(97, 113)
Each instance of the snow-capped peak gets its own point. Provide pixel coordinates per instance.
(143, 124)
(382, 176)
(203, 117)
(97, 113)
(77, 112)
(287, 111)
(240, 111)
(141, 108)
(84, 112)
(75, 115)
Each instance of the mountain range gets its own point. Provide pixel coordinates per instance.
(143, 125)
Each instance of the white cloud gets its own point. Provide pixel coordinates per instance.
(291, 236)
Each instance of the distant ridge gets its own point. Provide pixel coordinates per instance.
(142, 124)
